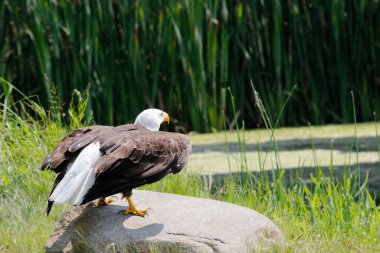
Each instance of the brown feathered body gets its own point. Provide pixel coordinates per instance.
(131, 156)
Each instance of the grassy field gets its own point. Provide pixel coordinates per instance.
(330, 216)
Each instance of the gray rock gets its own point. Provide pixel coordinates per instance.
(174, 223)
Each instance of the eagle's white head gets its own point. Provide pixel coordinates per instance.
(152, 119)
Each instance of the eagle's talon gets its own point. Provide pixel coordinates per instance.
(135, 211)
(104, 201)
(110, 199)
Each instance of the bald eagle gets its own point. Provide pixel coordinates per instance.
(99, 161)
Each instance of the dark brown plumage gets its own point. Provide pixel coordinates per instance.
(131, 156)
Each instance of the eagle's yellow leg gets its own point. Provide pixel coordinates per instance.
(132, 208)
(104, 201)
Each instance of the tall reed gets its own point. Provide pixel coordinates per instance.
(182, 55)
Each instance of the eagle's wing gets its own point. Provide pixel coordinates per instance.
(131, 156)
(73, 143)
(135, 158)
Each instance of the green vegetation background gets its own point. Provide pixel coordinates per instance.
(182, 55)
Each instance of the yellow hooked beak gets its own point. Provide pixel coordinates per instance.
(166, 117)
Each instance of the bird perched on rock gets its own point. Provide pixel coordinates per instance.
(100, 161)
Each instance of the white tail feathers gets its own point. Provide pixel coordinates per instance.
(79, 178)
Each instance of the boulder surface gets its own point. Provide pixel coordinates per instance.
(174, 223)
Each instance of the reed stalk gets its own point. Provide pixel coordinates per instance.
(181, 55)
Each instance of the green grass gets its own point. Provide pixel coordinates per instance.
(182, 55)
(23, 188)
(325, 216)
